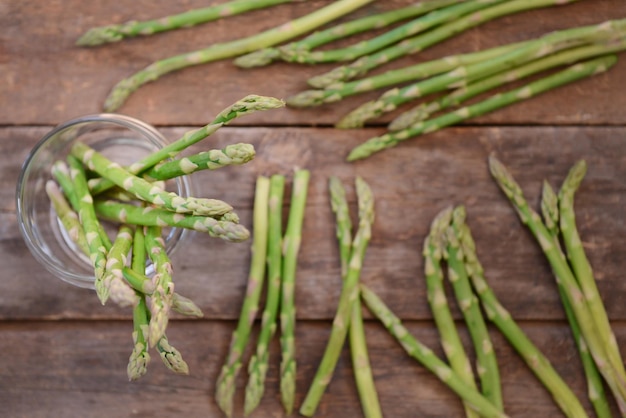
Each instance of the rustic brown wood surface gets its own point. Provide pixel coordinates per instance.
(64, 354)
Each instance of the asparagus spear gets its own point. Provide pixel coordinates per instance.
(150, 216)
(415, 26)
(427, 358)
(450, 340)
(358, 346)
(117, 32)
(487, 364)
(226, 380)
(563, 273)
(595, 388)
(580, 264)
(185, 306)
(249, 104)
(113, 282)
(235, 154)
(291, 52)
(257, 368)
(291, 248)
(424, 110)
(230, 49)
(145, 190)
(139, 358)
(492, 103)
(461, 76)
(171, 357)
(339, 90)
(347, 299)
(69, 218)
(89, 221)
(423, 41)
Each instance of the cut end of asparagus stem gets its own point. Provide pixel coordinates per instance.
(259, 58)
(307, 98)
(101, 35)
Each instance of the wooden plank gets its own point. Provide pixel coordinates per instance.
(78, 369)
(47, 79)
(411, 183)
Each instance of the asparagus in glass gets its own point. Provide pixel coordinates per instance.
(490, 104)
(450, 340)
(145, 190)
(340, 90)
(259, 363)
(292, 52)
(358, 347)
(427, 358)
(247, 105)
(590, 332)
(461, 76)
(486, 362)
(419, 43)
(235, 154)
(347, 299)
(271, 37)
(291, 248)
(595, 388)
(69, 218)
(150, 216)
(171, 357)
(139, 358)
(226, 381)
(117, 288)
(456, 97)
(580, 264)
(114, 33)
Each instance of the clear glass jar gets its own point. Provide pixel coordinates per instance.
(120, 138)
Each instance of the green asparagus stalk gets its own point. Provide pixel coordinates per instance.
(450, 340)
(145, 190)
(347, 299)
(161, 297)
(487, 364)
(564, 275)
(291, 52)
(89, 221)
(114, 285)
(490, 104)
(139, 358)
(461, 76)
(235, 154)
(249, 104)
(581, 266)
(496, 313)
(226, 380)
(271, 37)
(117, 32)
(427, 358)
(171, 357)
(419, 43)
(339, 90)
(358, 346)
(595, 388)
(259, 363)
(291, 249)
(424, 110)
(185, 306)
(150, 216)
(69, 218)
(415, 26)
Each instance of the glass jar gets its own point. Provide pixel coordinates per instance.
(121, 139)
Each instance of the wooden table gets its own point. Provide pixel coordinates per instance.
(65, 355)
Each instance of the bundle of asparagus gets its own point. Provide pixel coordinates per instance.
(276, 254)
(144, 209)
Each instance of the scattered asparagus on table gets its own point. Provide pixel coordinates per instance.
(298, 50)
(571, 74)
(595, 337)
(225, 386)
(349, 294)
(486, 362)
(595, 388)
(219, 51)
(114, 33)
(433, 252)
(291, 248)
(259, 363)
